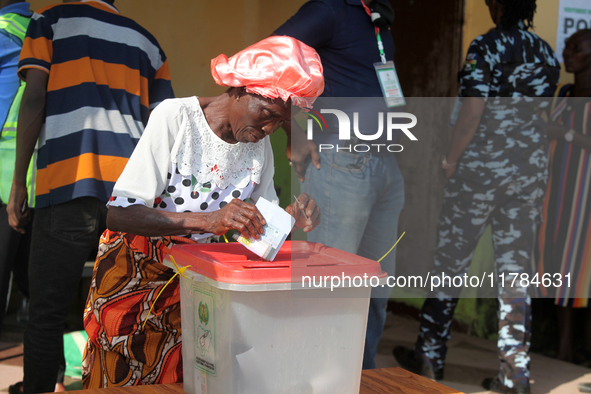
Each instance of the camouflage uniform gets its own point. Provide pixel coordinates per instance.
(500, 180)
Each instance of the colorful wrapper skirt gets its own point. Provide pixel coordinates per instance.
(121, 350)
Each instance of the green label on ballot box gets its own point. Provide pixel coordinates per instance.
(204, 323)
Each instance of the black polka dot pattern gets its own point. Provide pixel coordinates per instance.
(186, 194)
(131, 200)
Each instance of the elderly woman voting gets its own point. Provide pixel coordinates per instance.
(197, 161)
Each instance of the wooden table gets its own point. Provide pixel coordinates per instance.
(398, 380)
(374, 381)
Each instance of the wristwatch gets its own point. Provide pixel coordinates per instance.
(569, 136)
(447, 166)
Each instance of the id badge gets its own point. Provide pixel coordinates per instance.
(389, 83)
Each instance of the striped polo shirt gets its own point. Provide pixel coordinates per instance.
(105, 73)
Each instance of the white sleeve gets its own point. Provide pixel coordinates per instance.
(266, 188)
(146, 173)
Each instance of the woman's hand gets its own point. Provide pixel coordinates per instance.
(237, 215)
(306, 212)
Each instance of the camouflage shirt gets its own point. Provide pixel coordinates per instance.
(513, 70)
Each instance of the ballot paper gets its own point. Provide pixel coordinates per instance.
(278, 227)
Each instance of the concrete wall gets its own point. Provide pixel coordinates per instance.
(192, 32)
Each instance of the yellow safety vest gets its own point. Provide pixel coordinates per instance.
(15, 25)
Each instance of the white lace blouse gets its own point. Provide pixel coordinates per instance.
(180, 165)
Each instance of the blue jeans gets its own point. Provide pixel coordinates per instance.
(63, 237)
(360, 198)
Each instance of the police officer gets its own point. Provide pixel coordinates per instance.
(496, 170)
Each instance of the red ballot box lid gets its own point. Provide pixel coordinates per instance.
(233, 263)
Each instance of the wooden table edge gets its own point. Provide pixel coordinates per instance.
(373, 381)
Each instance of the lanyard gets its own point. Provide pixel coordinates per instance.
(381, 47)
(380, 44)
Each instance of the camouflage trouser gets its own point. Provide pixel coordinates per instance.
(512, 207)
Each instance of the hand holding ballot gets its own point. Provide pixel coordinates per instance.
(238, 215)
(278, 224)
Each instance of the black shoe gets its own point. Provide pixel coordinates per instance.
(410, 361)
(16, 388)
(495, 385)
(582, 357)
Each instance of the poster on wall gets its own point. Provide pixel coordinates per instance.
(573, 15)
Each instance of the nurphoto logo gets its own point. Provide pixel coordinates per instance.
(350, 143)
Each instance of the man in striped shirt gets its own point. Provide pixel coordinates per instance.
(92, 77)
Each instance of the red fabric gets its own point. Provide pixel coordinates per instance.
(276, 67)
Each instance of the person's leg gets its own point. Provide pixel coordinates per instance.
(381, 233)
(61, 374)
(20, 269)
(342, 190)
(464, 216)
(514, 341)
(514, 230)
(9, 240)
(63, 236)
(565, 317)
(435, 330)
(587, 329)
(360, 197)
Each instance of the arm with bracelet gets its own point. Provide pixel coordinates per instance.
(475, 79)
(464, 129)
(559, 131)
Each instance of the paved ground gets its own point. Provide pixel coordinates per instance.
(11, 338)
